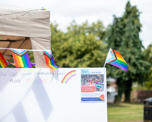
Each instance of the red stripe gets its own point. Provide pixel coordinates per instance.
(3, 60)
(46, 60)
(117, 53)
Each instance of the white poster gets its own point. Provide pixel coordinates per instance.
(92, 85)
(39, 95)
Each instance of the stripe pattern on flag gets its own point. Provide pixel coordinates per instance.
(21, 58)
(49, 59)
(3, 62)
(114, 58)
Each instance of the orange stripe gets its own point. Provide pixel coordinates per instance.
(119, 57)
(15, 60)
(117, 53)
(48, 62)
(50, 65)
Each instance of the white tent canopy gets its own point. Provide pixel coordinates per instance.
(25, 30)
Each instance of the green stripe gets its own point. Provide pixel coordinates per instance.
(1, 65)
(23, 61)
(121, 62)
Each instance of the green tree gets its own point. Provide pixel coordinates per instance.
(123, 35)
(148, 53)
(80, 46)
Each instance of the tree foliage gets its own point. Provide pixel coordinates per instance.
(123, 35)
(80, 46)
(86, 45)
(148, 54)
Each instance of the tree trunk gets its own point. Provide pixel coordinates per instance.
(127, 90)
(120, 91)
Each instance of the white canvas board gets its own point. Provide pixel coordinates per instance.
(40, 95)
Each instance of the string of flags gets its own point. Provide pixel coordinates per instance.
(22, 60)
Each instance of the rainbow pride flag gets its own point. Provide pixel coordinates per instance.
(114, 58)
(21, 58)
(49, 59)
(3, 62)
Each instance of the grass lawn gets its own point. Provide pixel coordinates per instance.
(125, 112)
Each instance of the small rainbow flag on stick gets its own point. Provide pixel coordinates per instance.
(3, 62)
(49, 59)
(21, 58)
(114, 58)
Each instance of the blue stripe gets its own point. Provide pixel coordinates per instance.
(91, 99)
(120, 64)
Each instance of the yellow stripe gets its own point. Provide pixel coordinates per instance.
(120, 58)
(20, 61)
(1, 64)
(52, 67)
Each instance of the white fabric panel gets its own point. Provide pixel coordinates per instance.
(9, 118)
(28, 24)
(39, 43)
(34, 24)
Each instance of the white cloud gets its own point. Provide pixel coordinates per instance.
(64, 11)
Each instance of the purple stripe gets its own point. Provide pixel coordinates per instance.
(53, 63)
(28, 60)
(119, 66)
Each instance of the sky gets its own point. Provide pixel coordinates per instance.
(64, 11)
